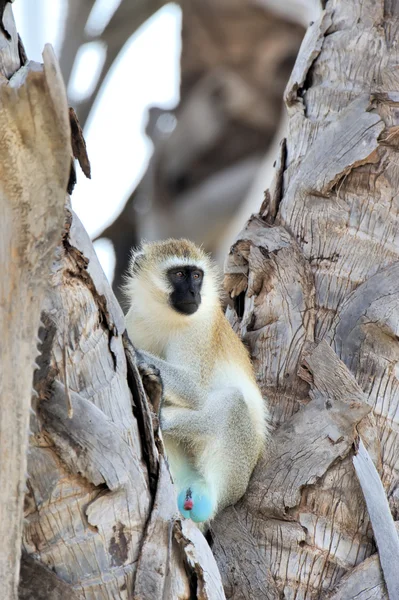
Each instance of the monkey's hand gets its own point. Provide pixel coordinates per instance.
(179, 387)
(152, 384)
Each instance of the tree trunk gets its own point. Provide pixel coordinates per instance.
(100, 511)
(316, 271)
(34, 167)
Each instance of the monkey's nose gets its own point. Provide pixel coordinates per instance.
(188, 504)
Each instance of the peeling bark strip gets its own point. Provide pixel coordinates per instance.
(271, 202)
(310, 49)
(88, 443)
(381, 518)
(34, 163)
(200, 560)
(277, 317)
(9, 55)
(78, 144)
(348, 142)
(143, 414)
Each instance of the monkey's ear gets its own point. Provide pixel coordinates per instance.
(136, 259)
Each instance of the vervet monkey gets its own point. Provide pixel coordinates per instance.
(213, 417)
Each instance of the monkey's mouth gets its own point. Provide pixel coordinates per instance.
(186, 308)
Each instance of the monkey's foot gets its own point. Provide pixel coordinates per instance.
(195, 505)
(152, 383)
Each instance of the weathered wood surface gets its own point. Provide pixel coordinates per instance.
(89, 497)
(319, 262)
(35, 159)
(381, 519)
(364, 582)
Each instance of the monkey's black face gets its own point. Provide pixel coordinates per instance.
(186, 283)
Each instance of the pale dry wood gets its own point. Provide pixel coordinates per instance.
(278, 316)
(34, 167)
(143, 412)
(9, 58)
(364, 582)
(288, 504)
(79, 239)
(89, 492)
(89, 443)
(351, 231)
(305, 447)
(166, 578)
(381, 519)
(200, 560)
(364, 335)
(233, 540)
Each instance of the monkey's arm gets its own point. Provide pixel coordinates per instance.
(179, 386)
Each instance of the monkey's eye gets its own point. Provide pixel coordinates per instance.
(179, 274)
(197, 274)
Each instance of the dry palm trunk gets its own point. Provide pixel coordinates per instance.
(33, 177)
(100, 512)
(319, 270)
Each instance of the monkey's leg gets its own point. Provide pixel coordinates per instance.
(179, 386)
(222, 443)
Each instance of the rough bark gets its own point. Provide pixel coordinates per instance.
(319, 265)
(35, 154)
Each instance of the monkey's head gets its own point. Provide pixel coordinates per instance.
(175, 278)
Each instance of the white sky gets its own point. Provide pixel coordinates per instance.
(145, 73)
